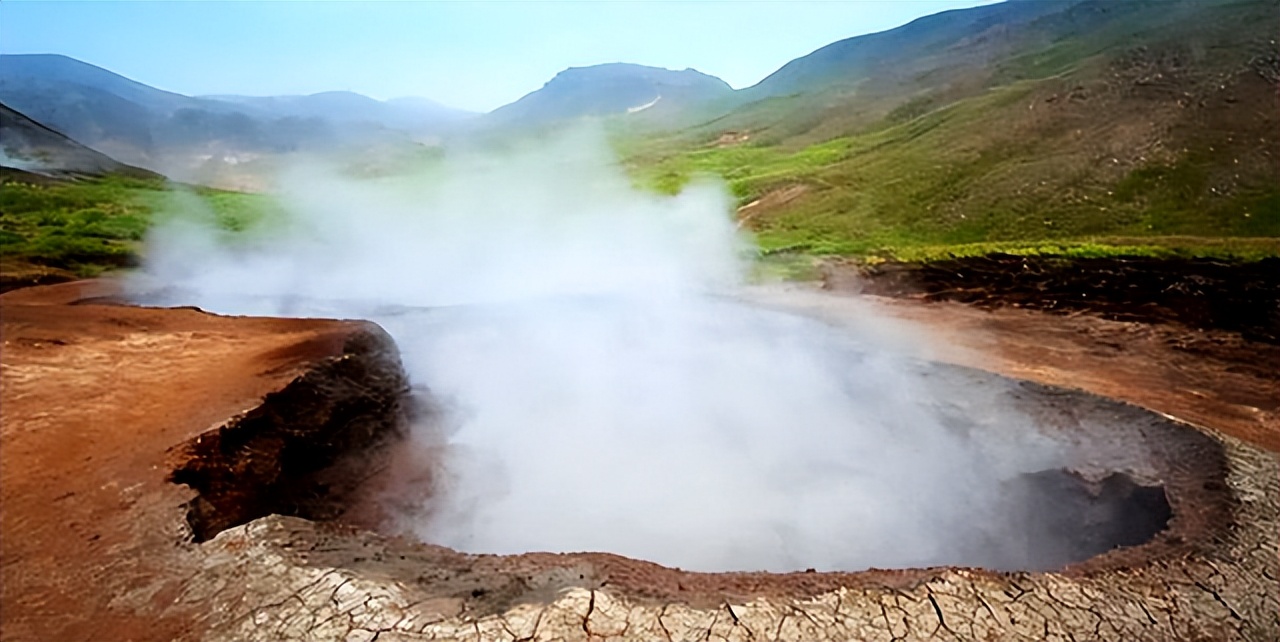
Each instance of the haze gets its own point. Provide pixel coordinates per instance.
(470, 55)
(597, 386)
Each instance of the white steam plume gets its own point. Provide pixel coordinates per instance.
(602, 389)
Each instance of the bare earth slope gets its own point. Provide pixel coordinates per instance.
(94, 398)
(102, 403)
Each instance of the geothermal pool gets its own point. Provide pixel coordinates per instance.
(593, 379)
(711, 434)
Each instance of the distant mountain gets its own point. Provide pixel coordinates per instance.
(173, 133)
(27, 72)
(410, 113)
(939, 59)
(28, 146)
(105, 111)
(615, 89)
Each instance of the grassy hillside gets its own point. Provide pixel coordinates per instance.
(1078, 128)
(1152, 128)
(86, 227)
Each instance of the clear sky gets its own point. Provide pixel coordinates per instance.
(475, 55)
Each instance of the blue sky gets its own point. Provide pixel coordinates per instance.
(474, 55)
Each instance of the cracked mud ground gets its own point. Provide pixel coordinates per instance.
(102, 403)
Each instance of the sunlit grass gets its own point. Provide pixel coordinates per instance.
(92, 226)
(961, 180)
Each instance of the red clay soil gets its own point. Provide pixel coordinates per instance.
(96, 397)
(93, 397)
(1209, 378)
(1194, 338)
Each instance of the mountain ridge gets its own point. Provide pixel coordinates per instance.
(925, 35)
(346, 106)
(615, 89)
(179, 135)
(28, 146)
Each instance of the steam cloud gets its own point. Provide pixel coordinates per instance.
(601, 387)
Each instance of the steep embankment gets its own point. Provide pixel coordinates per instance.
(101, 404)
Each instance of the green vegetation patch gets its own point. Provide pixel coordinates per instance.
(985, 174)
(91, 226)
(1182, 247)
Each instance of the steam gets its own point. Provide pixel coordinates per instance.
(601, 387)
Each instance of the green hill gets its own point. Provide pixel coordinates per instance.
(1019, 125)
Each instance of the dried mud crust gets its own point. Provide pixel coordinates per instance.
(1210, 575)
(1200, 293)
(309, 581)
(99, 403)
(99, 546)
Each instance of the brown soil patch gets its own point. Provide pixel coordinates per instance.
(770, 201)
(1195, 340)
(1209, 378)
(101, 403)
(729, 139)
(93, 399)
(18, 273)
